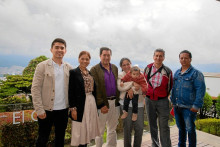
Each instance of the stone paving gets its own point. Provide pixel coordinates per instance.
(174, 140)
(203, 139)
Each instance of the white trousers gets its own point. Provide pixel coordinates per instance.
(110, 120)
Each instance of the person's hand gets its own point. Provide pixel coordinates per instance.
(74, 114)
(121, 84)
(130, 94)
(42, 116)
(137, 86)
(104, 110)
(193, 110)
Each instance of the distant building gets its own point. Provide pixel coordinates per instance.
(3, 78)
(212, 81)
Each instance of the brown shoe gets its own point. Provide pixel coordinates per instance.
(124, 115)
(134, 116)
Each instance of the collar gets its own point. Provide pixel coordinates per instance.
(186, 70)
(110, 66)
(57, 65)
(153, 66)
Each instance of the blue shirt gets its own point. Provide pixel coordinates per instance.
(188, 88)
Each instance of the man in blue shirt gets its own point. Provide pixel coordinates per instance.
(187, 98)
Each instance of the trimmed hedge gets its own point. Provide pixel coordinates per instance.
(25, 134)
(19, 135)
(210, 125)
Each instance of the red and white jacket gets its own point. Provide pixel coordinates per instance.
(166, 84)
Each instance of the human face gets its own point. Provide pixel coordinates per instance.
(135, 74)
(105, 57)
(126, 66)
(84, 61)
(185, 60)
(58, 50)
(158, 58)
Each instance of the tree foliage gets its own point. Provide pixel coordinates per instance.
(20, 83)
(218, 106)
(206, 106)
(13, 100)
(30, 69)
(15, 84)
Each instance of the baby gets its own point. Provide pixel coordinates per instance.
(137, 77)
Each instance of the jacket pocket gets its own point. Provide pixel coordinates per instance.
(188, 83)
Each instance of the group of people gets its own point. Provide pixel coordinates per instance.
(93, 99)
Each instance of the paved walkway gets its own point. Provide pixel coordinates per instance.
(203, 139)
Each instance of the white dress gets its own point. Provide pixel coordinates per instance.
(83, 132)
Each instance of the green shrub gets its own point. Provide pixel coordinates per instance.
(25, 134)
(146, 123)
(19, 135)
(206, 106)
(210, 125)
(218, 106)
(13, 100)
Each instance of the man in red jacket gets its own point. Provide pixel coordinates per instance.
(160, 81)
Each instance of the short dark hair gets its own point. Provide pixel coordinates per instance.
(60, 40)
(160, 50)
(123, 59)
(186, 51)
(106, 49)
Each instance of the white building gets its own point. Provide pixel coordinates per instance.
(212, 81)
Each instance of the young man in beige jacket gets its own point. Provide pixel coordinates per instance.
(50, 95)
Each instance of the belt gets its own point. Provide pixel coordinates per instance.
(111, 97)
(158, 98)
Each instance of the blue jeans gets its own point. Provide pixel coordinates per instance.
(185, 121)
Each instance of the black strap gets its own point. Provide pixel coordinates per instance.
(149, 77)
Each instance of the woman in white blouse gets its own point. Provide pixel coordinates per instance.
(127, 92)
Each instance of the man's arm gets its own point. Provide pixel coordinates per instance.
(200, 88)
(36, 89)
(100, 101)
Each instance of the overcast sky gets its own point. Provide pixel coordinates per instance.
(131, 28)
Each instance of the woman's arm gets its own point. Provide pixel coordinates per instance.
(72, 88)
(127, 85)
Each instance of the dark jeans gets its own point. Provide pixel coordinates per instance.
(59, 119)
(134, 103)
(185, 121)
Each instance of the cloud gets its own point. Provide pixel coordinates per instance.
(131, 28)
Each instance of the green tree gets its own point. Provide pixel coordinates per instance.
(218, 105)
(30, 69)
(20, 83)
(14, 84)
(206, 106)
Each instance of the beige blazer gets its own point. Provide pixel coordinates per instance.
(43, 86)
